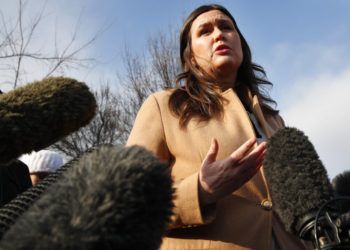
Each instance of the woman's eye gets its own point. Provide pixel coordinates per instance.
(226, 27)
(204, 32)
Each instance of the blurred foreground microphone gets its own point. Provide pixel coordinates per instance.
(38, 114)
(301, 190)
(112, 199)
(341, 184)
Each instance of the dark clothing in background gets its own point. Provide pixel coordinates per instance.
(14, 179)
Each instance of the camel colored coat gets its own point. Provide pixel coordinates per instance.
(243, 220)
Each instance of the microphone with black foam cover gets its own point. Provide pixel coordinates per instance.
(112, 199)
(297, 179)
(341, 186)
(39, 114)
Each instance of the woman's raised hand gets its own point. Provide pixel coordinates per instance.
(220, 178)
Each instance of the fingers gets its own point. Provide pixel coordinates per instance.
(259, 149)
(256, 157)
(212, 153)
(251, 164)
(238, 154)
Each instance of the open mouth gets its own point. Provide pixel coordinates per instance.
(222, 49)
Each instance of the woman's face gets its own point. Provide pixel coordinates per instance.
(215, 43)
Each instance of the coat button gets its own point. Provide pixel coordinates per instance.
(266, 204)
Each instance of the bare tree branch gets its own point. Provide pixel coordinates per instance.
(15, 41)
(103, 129)
(144, 74)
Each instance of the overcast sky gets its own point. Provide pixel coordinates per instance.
(303, 46)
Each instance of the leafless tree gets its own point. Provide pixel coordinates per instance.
(144, 74)
(15, 47)
(105, 128)
(164, 58)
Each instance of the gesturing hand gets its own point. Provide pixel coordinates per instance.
(220, 178)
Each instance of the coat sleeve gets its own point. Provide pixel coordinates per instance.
(148, 131)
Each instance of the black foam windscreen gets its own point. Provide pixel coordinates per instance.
(112, 199)
(38, 114)
(341, 186)
(297, 179)
(341, 183)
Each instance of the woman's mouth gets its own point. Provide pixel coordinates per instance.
(222, 49)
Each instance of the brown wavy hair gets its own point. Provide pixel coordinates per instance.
(196, 93)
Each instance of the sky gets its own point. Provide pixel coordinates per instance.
(303, 46)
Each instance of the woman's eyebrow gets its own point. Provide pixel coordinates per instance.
(223, 21)
(217, 20)
(203, 25)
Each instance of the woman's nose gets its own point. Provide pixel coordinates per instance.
(217, 35)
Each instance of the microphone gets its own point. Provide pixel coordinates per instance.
(111, 199)
(341, 184)
(38, 114)
(301, 190)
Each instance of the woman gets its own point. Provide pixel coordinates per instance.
(211, 130)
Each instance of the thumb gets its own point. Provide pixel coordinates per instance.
(212, 152)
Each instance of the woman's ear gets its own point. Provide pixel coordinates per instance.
(193, 61)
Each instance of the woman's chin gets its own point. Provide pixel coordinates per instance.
(223, 65)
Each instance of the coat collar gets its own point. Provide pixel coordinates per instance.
(253, 102)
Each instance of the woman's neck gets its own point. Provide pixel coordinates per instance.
(225, 85)
(226, 81)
